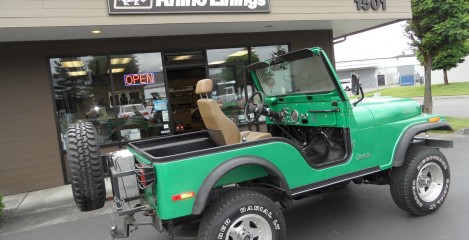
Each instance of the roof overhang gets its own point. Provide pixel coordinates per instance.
(44, 33)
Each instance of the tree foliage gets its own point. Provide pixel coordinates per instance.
(2, 206)
(436, 25)
(449, 57)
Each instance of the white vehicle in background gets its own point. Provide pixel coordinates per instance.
(229, 95)
(346, 84)
(130, 110)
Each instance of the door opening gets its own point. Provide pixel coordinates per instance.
(183, 70)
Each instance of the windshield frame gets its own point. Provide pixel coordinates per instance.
(298, 55)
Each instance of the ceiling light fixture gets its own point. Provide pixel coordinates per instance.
(117, 70)
(216, 62)
(182, 57)
(72, 64)
(116, 61)
(239, 53)
(77, 73)
(96, 31)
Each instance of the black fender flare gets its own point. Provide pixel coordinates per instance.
(221, 170)
(407, 137)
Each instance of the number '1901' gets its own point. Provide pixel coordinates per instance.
(373, 4)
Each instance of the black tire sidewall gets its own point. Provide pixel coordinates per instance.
(417, 166)
(258, 205)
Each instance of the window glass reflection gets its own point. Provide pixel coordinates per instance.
(227, 73)
(140, 95)
(82, 87)
(266, 52)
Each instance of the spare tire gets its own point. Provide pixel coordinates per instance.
(86, 167)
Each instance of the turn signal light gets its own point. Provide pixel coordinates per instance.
(434, 119)
(183, 196)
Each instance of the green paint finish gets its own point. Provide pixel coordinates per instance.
(187, 175)
(248, 171)
(394, 133)
(389, 110)
(376, 126)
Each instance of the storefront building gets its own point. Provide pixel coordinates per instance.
(130, 67)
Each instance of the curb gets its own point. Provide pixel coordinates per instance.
(464, 131)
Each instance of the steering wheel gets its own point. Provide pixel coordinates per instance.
(257, 108)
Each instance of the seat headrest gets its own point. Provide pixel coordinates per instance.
(204, 86)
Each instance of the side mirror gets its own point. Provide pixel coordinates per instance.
(355, 84)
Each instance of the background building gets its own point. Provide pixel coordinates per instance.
(133, 74)
(400, 70)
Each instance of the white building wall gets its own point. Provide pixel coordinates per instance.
(458, 74)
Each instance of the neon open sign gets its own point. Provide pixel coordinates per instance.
(139, 79)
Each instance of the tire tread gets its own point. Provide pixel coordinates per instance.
(401, 177)
(87, 176)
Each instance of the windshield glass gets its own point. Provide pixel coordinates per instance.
(306, 75)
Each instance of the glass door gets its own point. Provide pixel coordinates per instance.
(230, 89)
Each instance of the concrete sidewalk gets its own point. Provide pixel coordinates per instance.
(32, 210)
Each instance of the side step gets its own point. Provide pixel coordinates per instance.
(311, 187)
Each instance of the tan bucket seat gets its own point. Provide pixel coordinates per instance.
(221, 129)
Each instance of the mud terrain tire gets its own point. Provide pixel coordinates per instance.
(86, 168)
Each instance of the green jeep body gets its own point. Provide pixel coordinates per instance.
(320, 138)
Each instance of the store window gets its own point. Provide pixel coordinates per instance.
(81, 87)
(226, 69)
(232, 85)
(267, 52)
(140, 95)
(136, 107)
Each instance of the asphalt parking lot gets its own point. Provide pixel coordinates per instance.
(361, 212)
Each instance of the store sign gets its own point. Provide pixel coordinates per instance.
(186, 6)
(139, 79)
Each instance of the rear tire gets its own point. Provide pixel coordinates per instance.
(421, 184)
(243, 214)
(86, 169)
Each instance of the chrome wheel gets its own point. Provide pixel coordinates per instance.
(250, 227)
(430, 182)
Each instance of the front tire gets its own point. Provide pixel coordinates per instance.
(421, 184)
(243, 215)
(86, 168)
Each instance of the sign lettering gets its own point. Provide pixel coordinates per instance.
(186, 6)
(139, 79)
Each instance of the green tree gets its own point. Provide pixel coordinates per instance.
(449, 57)
(435, 25)
(2, 206)
(230, 74)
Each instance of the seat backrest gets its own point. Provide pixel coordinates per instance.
(222, 130)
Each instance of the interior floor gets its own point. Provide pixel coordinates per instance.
(320, 146)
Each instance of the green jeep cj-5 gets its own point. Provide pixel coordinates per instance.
(235, 184)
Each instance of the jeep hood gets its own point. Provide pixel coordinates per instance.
(388, 109)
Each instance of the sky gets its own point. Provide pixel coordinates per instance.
(387, 41)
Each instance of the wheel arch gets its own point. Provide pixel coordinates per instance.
(205, 189)
(408, 136)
